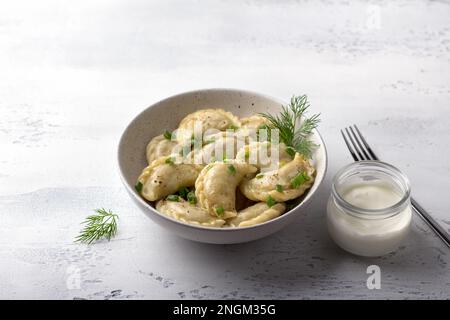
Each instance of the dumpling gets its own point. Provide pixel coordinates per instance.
(257, 214)
(288, 182)
(159, 147)
(184, 211)
(250, 126)
(211, 119)
(254, 122)
(163, 177)
(223, 145)
(218, 119)
(215, 187)
(264, 155)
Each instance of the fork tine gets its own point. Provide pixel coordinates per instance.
(363, 150)
(355, 146)
(374, 156)
(354, 156)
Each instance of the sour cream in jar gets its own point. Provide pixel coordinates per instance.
(369, 210)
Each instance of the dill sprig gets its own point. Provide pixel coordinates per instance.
(293, 130)
(98, 226)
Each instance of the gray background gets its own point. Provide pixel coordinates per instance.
(74, 73)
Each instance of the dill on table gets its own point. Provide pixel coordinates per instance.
(102, 225)
(294, 128)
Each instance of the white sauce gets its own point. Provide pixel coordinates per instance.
(368, 236)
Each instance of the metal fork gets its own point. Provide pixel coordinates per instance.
(360, 150)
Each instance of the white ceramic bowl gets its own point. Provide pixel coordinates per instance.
(165, 115)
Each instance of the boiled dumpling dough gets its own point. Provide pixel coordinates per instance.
(218, 119)
(223, 145)
(160, 178)
(159, 147)
(250, 125)
(215, 187)
(257, 214)
(189, 213)
(260, 155)
(254, 122)
(261, 187)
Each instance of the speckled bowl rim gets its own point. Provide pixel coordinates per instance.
(132, 191)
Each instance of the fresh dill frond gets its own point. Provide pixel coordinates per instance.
(294, 128)
(102, 225)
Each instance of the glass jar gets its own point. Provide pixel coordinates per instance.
(369, 210)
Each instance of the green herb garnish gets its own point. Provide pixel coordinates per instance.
(232, 169)
(173, 197)
(233, 127)
(191, 198)
(139, 186)
(102, 225)
(270, 201)
(220, 211)
(299, 179)
(167, 135)
(290, 151)
(292, 134)
(183, 192)
(170, 161)
(279, 188)
(259, 176)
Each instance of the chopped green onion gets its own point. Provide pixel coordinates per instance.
(259, 176)
(167, 135)
(183, 192)
(270, 201)
(299, 179)
(191, 197)
(233, 127)
(232, 169)
(170, 161)
(139, 186)
(279, 188)
(247, 154)
(220, 211)
(173, 197)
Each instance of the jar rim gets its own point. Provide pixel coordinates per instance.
(373, 213)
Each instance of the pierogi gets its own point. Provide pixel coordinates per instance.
(225, 175)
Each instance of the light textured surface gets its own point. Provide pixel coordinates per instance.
(73, 74)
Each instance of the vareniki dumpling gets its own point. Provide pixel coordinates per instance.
(163, 177)
(254, 122)
(184, 211)
(217, 170)
(218, 119)
(215, 187)
(223, 145)
(264, 155)
(158, 147)
(257, 214)
(286, 183)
